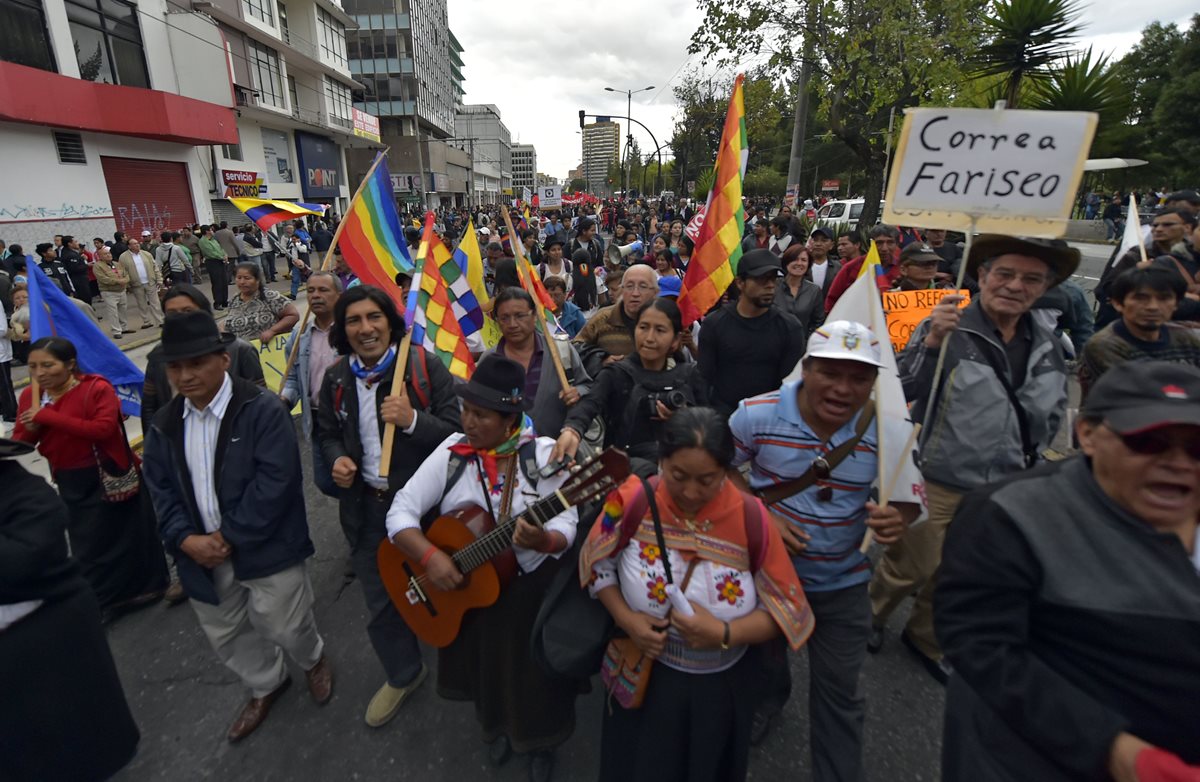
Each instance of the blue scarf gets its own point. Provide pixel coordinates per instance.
(373, 374)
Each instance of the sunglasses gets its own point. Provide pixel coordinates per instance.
(1158, 441)
(822, 471)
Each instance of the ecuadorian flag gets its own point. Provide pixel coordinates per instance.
(266, 213)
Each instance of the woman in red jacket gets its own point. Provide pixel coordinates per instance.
(77, 427)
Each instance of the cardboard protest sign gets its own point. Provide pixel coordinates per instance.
(1015, 172)
(273, 356)
(550, 196)
(906, 309)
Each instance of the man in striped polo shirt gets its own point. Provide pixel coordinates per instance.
(782, 435)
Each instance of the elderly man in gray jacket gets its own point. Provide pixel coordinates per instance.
(997, 404)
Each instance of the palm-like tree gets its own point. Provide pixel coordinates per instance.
(1026, 40)
(1084, 82)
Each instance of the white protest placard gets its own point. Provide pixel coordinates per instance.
(526, 195)
(1013, 171)
(550, 197)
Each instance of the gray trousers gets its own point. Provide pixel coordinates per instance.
(258, 620)
(393, 641)
(837, 650)
(114, 311)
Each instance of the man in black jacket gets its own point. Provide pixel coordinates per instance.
(1068, 599)
(356, 401)
(223, 469)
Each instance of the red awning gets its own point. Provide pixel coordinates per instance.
(40, 97)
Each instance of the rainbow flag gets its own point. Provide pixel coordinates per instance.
(719, 245)
(430, 316)
(871, 264)
(467, 308)
(266, 213)
(372, 238)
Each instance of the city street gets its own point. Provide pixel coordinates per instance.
(184, 701)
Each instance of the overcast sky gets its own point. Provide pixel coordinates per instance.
(540, 67)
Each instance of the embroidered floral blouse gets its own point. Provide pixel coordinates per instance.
(724, 581)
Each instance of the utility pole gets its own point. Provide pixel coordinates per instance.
(800, 128)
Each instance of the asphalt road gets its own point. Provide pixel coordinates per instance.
(184, 701)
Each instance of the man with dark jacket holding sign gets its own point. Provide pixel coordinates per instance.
(223, 469)
(997, 405)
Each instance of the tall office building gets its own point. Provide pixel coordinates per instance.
(480, 127)
(524, 167)
(408, 63)
(601, 148)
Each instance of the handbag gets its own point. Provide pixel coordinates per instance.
(626, 669)
(118, 487)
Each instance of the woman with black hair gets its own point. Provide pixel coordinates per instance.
(258, 312)
(737, 589)
(635, 395)
(76, 425)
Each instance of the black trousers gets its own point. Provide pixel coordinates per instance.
(218, 280)
(8, 397)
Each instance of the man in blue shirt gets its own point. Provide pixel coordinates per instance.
(783, 435)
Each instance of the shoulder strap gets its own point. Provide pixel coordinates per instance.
(756, 538)
(420, 376)
(527, 456)
(781, 491)
(454, 470)
(1027, 445)
(648, 491)
(635, 511)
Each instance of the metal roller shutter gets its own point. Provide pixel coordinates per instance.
(223, 210)
(148, 195)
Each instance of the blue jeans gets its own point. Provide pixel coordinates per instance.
(267, 260)
(295, 282)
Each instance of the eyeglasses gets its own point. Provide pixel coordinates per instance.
(1008, 275)
(508, 320)
(639, 286)
(1158, 441)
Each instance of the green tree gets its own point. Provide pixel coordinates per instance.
(1026, 40)
(578, 185)
(765, 181)
(868, 60)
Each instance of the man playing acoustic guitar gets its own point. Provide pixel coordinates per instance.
(496, 466)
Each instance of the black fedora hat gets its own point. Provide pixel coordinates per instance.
(12, 448)
(1062, 259)
(498, 383)
(190, 334)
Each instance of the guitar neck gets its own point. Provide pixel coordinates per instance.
(497, 540)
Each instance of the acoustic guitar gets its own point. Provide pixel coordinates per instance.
(482, 552)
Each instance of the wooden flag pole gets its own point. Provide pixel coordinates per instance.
(326, 265)
(389, 429)
(35, 395)
(525, 275)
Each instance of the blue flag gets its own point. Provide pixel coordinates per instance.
(52, 314)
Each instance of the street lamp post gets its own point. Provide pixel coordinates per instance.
(628, 128)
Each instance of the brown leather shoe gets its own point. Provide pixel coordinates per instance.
(320, 681)
(175, 594)
(254, 713)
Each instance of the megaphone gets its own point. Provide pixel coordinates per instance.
(616, 255)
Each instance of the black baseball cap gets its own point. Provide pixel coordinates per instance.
(827, 233)
(760, 263)
(1141, 395)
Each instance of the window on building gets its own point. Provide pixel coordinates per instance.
(69, 147)
(340, 103)
(25, 40)
(263, 62)
(260, 10)
(231, 151)
(108, 42)
(283, 23)
(293, 95)
(333, 38)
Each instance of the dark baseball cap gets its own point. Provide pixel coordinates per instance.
(827, 233)
(760, 263)
(918, 251)
(1141, 395)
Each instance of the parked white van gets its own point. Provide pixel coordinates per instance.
(844, 212)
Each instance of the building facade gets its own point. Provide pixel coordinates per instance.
(479, 129)
(102, 128)
(601, 148)
(524, 168)
(292, 89)
(407, 62)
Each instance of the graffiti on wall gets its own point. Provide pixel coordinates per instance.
(17, 213)
(143, 217)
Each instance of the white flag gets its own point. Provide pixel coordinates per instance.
(1134, 235)
(861, 303)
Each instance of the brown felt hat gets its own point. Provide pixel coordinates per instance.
(1062, 259)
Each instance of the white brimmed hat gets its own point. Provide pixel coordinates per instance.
(844, 340)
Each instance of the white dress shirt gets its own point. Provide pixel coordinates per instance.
(424, 491)
(200, 430)
(368, 432)
(140, 263)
